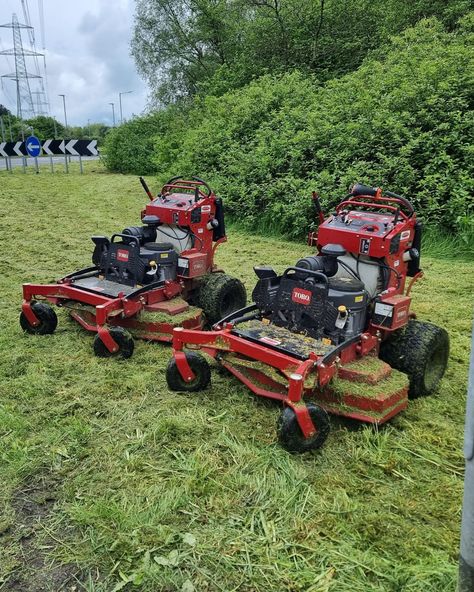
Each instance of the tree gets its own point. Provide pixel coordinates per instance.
(4, 110)
(185, 47)
(46, 127)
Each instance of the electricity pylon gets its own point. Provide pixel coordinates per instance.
(24, 100)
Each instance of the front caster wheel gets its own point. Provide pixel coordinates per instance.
(200, 368)
(290, 435)
(48, 320)
(121, 337)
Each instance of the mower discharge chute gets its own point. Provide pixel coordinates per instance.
(335, 330)
(147, 279)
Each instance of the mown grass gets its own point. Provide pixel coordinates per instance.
(158, 491)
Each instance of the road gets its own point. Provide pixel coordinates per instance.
(42, 161)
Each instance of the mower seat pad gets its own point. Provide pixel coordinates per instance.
(282, 339)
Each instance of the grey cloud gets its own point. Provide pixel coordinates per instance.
(87, 57)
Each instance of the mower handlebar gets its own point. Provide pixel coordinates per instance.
(376, 194)
(190, 184)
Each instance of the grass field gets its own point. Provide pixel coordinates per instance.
(110, 482)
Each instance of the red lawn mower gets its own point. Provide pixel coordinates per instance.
(149, 278)
(334, 333)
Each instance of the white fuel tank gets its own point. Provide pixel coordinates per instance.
(370, 274)
(179, 238)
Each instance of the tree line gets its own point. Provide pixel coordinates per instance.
(387, 101)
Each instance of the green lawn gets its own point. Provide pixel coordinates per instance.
(110, 482)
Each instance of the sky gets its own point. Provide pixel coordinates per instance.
(87, 58)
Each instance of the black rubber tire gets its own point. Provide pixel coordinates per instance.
(199, 366)
(219, 295)
(290, 435)
(123, 339)
(47, 317)
(421, 351)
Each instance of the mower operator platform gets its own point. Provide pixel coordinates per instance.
(282, 340)
(105, 287)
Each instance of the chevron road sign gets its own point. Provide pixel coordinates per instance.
(74, 147)
(82, 147)
(13, 149)
(50, 147)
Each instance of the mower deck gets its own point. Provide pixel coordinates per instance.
(368, 389)
(153, 323)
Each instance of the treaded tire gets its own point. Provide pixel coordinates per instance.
(47, 317)
(198, 365)
(421, 351)
(220, 295)
(123, 339)
(290, 435)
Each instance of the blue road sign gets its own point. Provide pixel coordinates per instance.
(33, 146)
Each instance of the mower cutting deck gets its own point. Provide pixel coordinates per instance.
(334, 330)
(148, 279)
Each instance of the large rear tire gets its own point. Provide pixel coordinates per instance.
(198, 365)
(292, 438)
(421, 351)
(219, 295)
(46, 316)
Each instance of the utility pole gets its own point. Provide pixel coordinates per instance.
(4, 140)
(65, 131)
(113, 113)
(466, 556)
(120, 103)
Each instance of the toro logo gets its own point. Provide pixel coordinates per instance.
(301, 296)
(122, 255)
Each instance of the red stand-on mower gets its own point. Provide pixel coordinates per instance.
(147, 279)
(334, 333)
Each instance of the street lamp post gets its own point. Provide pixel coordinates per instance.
(120, 103)
(113, 113)
(65, 131)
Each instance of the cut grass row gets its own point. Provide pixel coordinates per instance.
(156, 491)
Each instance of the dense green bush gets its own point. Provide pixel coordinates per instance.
(403, 120)
(129, 147)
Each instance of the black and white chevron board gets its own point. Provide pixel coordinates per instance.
(52, 147)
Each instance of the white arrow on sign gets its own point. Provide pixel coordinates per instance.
(32, 146)
(46, 147)
(70, 147)
(2, 151)
(16, 148)
(92, 147)
(61, 147)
